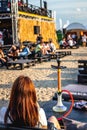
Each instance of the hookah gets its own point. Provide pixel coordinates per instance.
(59, 107)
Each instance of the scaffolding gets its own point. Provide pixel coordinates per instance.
(14, 14)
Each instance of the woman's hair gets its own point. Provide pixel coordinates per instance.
(22, 108)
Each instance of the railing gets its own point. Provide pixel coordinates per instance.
(35, 10)
(27, 8)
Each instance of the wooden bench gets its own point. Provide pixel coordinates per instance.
(65, 52)
(82, 71)
(59, 54)
(5, 48)
(42, 58)
(21, 63)
(82, 66)
(18, 57)
(82, 78)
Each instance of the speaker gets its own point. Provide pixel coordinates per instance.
(36, 29)
(45, 4)
(64, 30)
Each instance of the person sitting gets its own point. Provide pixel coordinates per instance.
(13, 51)
(65, 44)
(47, 48)
(39, 38)
(23, 108)
(40, 49)
(72, 43)
(25, 51)
(3, 59)
(52, 46)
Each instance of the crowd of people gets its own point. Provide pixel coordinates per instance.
(41, 48)
(68, 41)
(72, 40)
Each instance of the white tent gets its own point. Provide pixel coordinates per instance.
(76, 27)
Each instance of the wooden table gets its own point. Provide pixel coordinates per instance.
(78, 115)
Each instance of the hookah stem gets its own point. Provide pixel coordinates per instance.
(59, 80)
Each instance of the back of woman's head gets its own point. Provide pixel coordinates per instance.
(23, 102)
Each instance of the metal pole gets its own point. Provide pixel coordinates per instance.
(27, 3)
(14, 11)
(40, 3)
(16, 21)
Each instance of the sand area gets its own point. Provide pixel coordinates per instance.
(43, 76)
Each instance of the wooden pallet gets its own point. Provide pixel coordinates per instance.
(82, 66)
(21, 63)
(82, 78)
(42, 58)
(59, 54)
(82, 69)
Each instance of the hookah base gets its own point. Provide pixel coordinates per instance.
(59, 108)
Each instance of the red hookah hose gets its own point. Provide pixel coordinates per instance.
(71, 106)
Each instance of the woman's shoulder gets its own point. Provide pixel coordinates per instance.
(41, 109)
(42, 112)
(42, 117)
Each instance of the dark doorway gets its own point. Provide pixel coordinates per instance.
(6, 29)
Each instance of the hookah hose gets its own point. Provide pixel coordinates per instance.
(71, 106)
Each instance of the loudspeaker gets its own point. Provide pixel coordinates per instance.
(36, 29)
(45, 4)
(64, 30)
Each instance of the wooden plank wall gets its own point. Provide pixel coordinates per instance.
(26, 30)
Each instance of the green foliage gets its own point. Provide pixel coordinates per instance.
(59, 35)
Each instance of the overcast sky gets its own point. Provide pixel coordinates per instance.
(67, 11)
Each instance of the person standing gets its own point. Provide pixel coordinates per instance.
(84, 40)
(1, 39)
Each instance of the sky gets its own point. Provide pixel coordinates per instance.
(67, 11)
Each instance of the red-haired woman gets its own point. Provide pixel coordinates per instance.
(23, 109)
